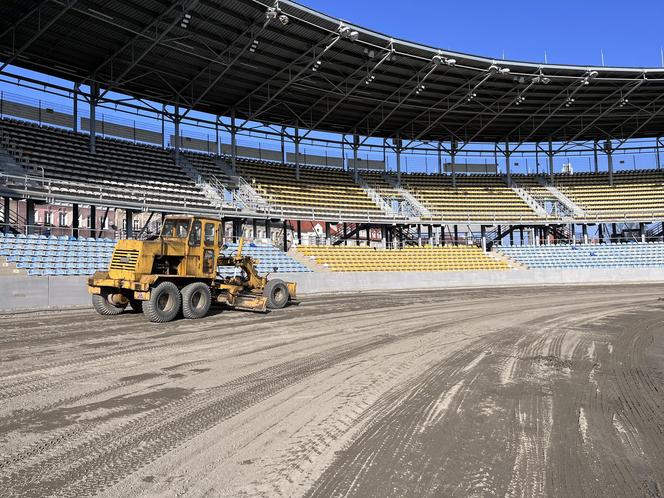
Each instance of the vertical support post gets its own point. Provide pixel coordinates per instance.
(176, 122)
(217, 145)
(93, 221)
(584, 233)
(327, 233)
(368, 235)
(508, 166)
(456, 235)
(6, 218)
(74, 220)
(657, 158)
(550, 154)
(297, 153)
(511, 236)
(357, 235)
(398, 151)
(283, 145)
(608, 148)
(29, 216)
(344, 166)
(299, 232)
(285, 236)
(596, 158)
(233, 141)
(499, 237)
(75, 107)
(537, 158)
(254, 229)
(642, 231)
(94, 95)
(521, 236)
(129, 217)
(356, 146)
(268, 234)
(440, 158)
(453, 153)
(601, 233)
(483, 236)
(163, 127)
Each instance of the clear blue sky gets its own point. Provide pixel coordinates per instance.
(570, 31)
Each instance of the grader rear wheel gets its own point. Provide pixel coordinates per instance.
(164, 303)
(196, 300)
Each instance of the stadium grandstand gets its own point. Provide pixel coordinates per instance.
(424, 147)
(250, 249)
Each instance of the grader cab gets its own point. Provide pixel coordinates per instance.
(177, 273)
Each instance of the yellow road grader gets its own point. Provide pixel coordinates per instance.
(177, 273)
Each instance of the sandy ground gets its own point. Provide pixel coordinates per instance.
(510, 392)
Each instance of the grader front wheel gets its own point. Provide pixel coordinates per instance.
(104, 306)
(277, 294)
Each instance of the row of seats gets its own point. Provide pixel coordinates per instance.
(124, 171)
(363, 259)
(41, 255)
(631, 255)
(270, 259)
(326, 191)
(634, 194)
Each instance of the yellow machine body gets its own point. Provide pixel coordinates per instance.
(188, 250)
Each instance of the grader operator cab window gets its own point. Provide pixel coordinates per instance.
(176, 228)
(209, 234)
(196, 232)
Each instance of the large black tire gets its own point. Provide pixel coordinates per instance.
(136, 305)
(164, 303)
(103, 306)
(196, 300)
(277, 294)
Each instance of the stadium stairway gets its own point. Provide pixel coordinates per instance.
(630, 255)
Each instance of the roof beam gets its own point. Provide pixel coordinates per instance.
(185, 5)
(603, 113)
(229, 65)
(328, 42)
(501, 112)
(42, 29)
(482, 77)
(341, 100)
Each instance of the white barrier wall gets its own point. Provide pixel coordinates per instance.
(39, 293)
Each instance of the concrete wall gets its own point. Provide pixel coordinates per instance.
(39, 293)
(315, 283)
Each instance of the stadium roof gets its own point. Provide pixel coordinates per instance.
(291, 65)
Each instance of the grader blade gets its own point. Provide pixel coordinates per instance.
(251, 303)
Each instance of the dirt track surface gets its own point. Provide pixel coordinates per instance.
(517, 392)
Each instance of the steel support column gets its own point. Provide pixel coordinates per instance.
(508, 165)
(93, 221)
(453, 153)
(74, 220)
(608, 148)
(296, 140)
(176, 123)
(550, 155)
(233, 141)
(94, 95)
(129, 220)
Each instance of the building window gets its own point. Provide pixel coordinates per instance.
(62, 219)
(48, 217)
